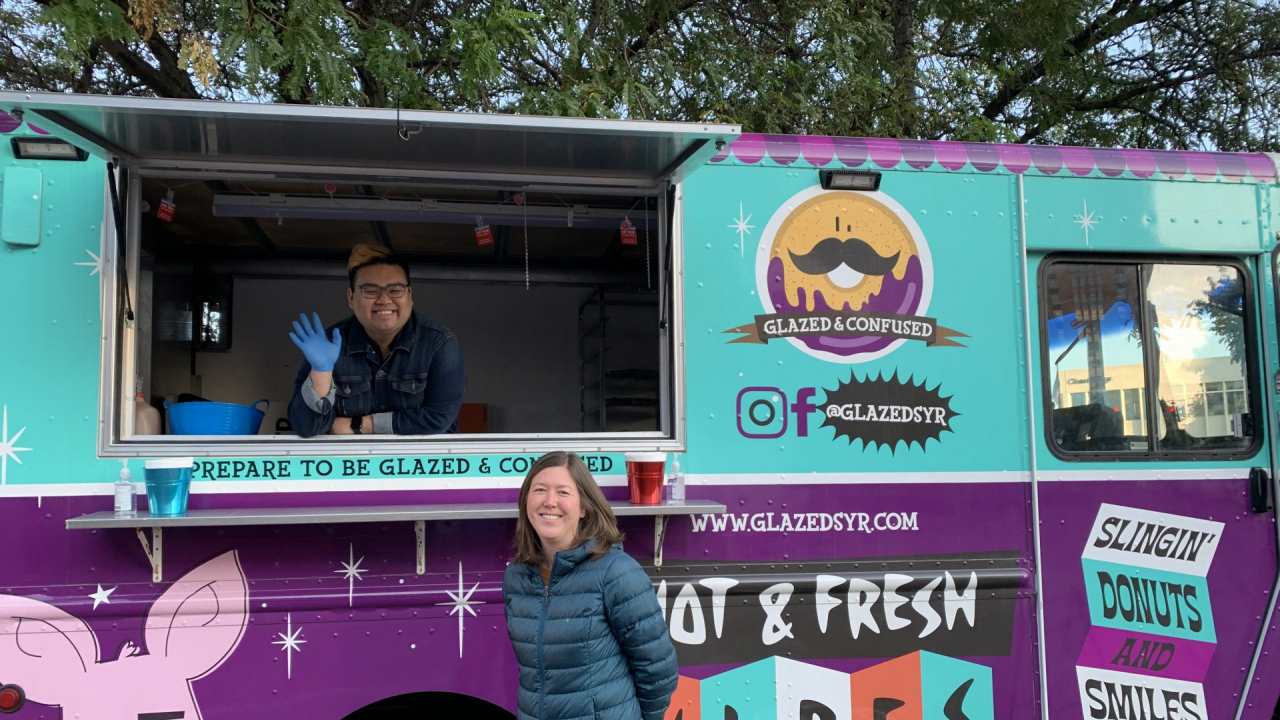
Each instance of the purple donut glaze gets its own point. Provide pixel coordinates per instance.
(900, 297)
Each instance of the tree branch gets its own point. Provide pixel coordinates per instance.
(158, 81)
(167, 80)
(1108, 25)
(1170, 80)
(657, 20)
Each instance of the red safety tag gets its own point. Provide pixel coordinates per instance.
(484, 236)
(628, 233)
(165, 211)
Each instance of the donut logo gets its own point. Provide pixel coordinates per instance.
(847, 277)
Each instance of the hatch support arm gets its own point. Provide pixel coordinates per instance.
(118, 212)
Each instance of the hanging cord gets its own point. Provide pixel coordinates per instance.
(193, 182)
(121, 270)
(648, 269)
(401, 130)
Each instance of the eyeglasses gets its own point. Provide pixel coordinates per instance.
(371, 291)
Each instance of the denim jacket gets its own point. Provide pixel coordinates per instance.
(416, 390)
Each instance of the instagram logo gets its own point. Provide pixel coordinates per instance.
(763, 412)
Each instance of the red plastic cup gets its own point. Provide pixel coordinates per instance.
(645, 471)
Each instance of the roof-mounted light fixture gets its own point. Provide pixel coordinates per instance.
(849, 179)
(46, 148)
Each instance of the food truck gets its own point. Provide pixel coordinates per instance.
(966, 431)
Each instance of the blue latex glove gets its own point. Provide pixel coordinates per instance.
(319, 351)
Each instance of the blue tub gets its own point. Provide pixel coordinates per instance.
(215, 418)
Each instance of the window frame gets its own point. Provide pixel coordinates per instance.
(119, 356)
(1151, 411)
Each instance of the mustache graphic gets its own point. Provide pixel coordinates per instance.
(830, 253)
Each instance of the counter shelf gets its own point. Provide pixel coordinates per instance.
(419, 515)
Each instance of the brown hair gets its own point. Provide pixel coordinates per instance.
(598, 522)
(365, 255)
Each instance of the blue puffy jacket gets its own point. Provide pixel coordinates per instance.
(592, 644)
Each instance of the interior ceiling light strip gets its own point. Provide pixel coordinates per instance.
(432, 211)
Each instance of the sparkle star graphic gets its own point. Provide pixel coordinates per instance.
(741, 227)
(96, 264)
(289, 642)
(102, 596)
(462, 601)
(351, 572)
(1086, 221)
(8, 447)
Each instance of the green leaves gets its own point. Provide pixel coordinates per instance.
(1155, 73)
(477, 39)
(79, 22)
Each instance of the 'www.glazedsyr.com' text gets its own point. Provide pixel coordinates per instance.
(806, 522)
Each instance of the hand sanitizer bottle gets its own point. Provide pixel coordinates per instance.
(677, 482)
(126, 501)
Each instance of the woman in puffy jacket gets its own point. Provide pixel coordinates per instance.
(582, 615)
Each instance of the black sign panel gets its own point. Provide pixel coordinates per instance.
(887, 412)
(742, 612)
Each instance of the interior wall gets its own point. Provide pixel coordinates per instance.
(520, 347)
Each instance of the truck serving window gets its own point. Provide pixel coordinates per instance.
(557, 300)
(1143, 360)
(546, 246)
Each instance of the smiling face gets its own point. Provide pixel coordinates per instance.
(554, 509)
(383, 316)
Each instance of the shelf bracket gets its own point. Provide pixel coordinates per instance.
(659, 535)
(420, 529)
(154, 551)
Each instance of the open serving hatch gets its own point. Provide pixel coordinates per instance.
(145, 133)
(567, 320)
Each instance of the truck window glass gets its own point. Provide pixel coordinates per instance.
(1095, 358)
(1098, 318)
(1197, 315)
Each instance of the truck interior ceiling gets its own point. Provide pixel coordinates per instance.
(555, 295)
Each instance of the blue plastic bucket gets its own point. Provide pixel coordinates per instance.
(215, 418)
(168, 482)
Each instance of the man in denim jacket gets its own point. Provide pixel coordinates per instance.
(386, 369)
